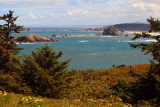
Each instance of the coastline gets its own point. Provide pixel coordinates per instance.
(153, 33)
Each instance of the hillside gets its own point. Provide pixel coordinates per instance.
(87, 88)
(125, 27)
(133, 27)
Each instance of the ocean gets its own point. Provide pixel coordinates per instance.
(87, 50)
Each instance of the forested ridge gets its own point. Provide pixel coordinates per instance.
(132, 27)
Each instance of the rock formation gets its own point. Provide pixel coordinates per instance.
(96, 29)
(36, 38)
(110, 31)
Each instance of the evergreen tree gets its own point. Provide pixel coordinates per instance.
(8, 48)
(44, 72)
(10, 65)
(149, 86)
(9, 27)
(22, 39)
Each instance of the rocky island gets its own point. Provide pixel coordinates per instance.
(111, 31)
(36, 38)
(32, 38)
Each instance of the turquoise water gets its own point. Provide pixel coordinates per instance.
(86, 50)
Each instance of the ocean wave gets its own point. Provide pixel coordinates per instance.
(54, 30)
(26, 43)
(83, 41)
(72, 36)
(90, 35)
(108, 36)
(149, 40)
(78, 35)
(93, 54)
(33, 43)
(101, 39)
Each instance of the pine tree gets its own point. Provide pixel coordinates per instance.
(44, 72)
(9, 27)
(154, 47)
(10, 65)
(149, 86)
(7, 48)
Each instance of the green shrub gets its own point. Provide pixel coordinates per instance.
(22, 39)
(43, 73)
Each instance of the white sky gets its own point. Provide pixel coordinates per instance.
(50, 13)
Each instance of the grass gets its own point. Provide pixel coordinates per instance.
(19, 100)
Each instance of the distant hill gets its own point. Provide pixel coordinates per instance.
(133, 27)
(125, 26)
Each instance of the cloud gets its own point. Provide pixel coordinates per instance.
(148, 7)
(55, 16)
(36, 3)
(78, 12)
(70, 13)
(42, 17)
(83, 11)
(32, 16)
(145, 5)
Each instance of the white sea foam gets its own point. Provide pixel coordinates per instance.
(141, 40)
(132, 32)
(101, 39)
(91, 34)
(108, 36)
(33, 43)
(151, 40)
(83, 41)
(129, 41)
(94, 54)
(26, 43)
(78, 36)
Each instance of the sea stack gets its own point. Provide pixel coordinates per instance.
(111, 31)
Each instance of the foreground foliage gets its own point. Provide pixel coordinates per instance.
(108, 88)
(18, 100)
(151, 81)
(10, 65)
(88, 88)
(43, 72)
(39, 74)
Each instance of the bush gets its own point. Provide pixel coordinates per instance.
(22, 39)
(43, 73)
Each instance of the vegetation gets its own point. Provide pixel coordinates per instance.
(10, 65)
(39, 74)
(132, 27)
(22, 39)
(124, 26)
(86, 88)
(19, 100)
(9, 27)
(42, 75)
(151, 81)
(7, 48)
